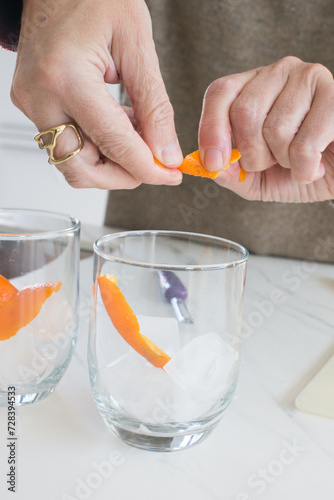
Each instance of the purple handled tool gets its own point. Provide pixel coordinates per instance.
(176, 293)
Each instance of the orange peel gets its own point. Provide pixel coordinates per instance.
(126, 322)
(192, 165)
(19, 308)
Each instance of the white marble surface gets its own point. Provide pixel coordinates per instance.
(263, 448)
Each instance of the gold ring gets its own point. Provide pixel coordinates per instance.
(55, 132)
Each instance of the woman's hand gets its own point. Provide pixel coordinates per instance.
(68, 51)
(281, 118)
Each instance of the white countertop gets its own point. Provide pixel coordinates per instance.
(263, 448)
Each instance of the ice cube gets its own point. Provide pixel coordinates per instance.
(54, 318)
(204, 366)
(186, 389)
(147, 393)
(39, 347)
(21, 362)
(134, 385)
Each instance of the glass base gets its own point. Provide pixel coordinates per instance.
(26, 399)
(159, 443)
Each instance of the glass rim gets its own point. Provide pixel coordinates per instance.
(121, 234)
(73, 222)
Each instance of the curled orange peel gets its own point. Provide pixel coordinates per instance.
(126, 323)
(192, 165)
(19, 308)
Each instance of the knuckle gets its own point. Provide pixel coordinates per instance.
(114, 144)
(301, 150)
(75, 179)
(76, 184)
(253, 160)
(314, 71)
(245, 112)
(18, 92)
(309, 71)
(286, 63)
(276, 132)
(44, 75)
(21, 92)
(210, 129)
(224, 85)
(289, 60)
(54, 72)
(51, 77)
(161, 114)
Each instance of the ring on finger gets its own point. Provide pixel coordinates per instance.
(50, 144)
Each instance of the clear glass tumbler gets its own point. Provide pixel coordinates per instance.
(165, 334)
(39, 270)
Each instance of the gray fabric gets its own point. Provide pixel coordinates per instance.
(198, 41)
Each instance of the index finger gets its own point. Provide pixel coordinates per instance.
(108, 126)
(215, 127)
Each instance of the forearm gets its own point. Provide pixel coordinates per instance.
(10, 23)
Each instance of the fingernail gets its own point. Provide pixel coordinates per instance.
(172, 154)
(213, 159)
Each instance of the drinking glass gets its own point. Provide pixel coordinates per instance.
(39, 264)
(164, 338)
